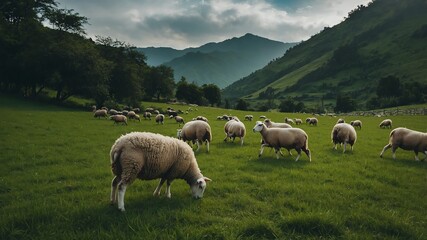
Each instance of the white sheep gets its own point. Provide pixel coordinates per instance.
(234, 128)
(249, 117)
(262, 117)
(197, 131)
(178, 119)
(133, 115)
(312, 121)
(201, 118)
(356, 123)
(147, 115)
(340, 120)
(386, 123)
(407, 139)
(298, 121)
(150, 156)
(289, 121)
(343, 133)
(160, 118)
(289, 138)
(100, 113)
(119, 119)
(271, 124)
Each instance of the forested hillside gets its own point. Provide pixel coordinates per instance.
(385, 41)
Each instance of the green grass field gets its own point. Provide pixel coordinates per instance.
(55, 182)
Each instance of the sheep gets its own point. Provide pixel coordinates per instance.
(119, 119)
(340, 120)
(197, 131)
(356, 123)
(271, 124)
(262, 117)
(149, 109)
(312, 121)
(289, 121)
(298, 121)
(178, 119)
(113, 112)
(160, 118)
(289, 138)
(386, 123)
(343, 133)
(407, 139)
(100, 113)
(201, 118)
(133, 115)
(147, 115)
(156, 112)
(148, 156)
(172, 113)
(125, 112)
(249, 117)
(234, 128)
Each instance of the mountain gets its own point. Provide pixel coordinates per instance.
(219, 63)
(387, 37)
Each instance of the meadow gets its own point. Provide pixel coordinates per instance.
(55, 182)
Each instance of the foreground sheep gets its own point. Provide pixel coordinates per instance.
(407, 139)
(234, 128)
(356, 123)
(289, 138)
(386, 123)
(343, 133)
(197, 131)
(150, 156)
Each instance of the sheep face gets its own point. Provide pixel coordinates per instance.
(258, 126)
(198, 188)
(178, 134)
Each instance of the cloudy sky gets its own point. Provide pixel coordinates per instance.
(191, 23)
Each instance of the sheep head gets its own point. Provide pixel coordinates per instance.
(198, 188)
(258, 126)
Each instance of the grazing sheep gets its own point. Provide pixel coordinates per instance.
(262, 117)
(150, 156)
(149, 109)
(147, 115)
(289, 138)
(298, 121)
(119, 119)
(201, 118)
(407, 139)
(197, 131)
(343, 133)
(249, 117)
(125, 112)
(312, 121)
(386, 123)
(289, 121)
(100, 113)
(178, 119)
(156, 112)
(356, 123)
(340, 120)
(113, 112)
(271, 124)
(234, 128)
(133, 115)
(160, 118)
(172, 113)
(136, 110)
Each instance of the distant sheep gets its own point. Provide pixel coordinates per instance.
(386, 123)
(160, 118)
(271, 124)
(119, 119)
(249, 117)
(197, 131)
(147, 115)
(201, 118)
(133, 115)
(100, 113)
(289, 121)
(312, 121)
(113, 112)
(343, 133)
(340, 120)
(178, 119)
(407, 139)
(149, 156)
(289, 138)
(262, 117)
(234, 128)
(356, 123)
(298, 121)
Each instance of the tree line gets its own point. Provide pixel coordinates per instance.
(45, 47)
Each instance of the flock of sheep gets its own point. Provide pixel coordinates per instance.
(148, 156)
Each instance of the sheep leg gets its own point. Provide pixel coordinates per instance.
(113, 196)
(262, 149)
(289, 151)
(276, 150)
(168, 188)
(416, 156)
(384, 149)
(299, 154)
(159, 187)
(121, 196)
(345, 145)
(307, 151)
(241, 141)
(207, 145)
(198, 145)
(394, 152)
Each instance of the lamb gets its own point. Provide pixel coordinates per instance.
(356, 123)
(298, 121)
(343, 133)
(160, 118)
(148, 156)
(407, 139)
(197, 131)
(178, 119)
(234, 128)
(147, 115)
(289, 138)
(100, 113)
(119, 119)
(289, 121)
(271, 124)
(340, 120)
(249, 117)
(386, 123)
(312, 121)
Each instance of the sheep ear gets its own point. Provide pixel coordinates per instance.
(207, 179)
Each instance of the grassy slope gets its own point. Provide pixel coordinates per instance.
(55, 183)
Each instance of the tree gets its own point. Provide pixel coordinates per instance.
(212, 93)
(389, 87)
(344, 104)
(159, 82)
(290, 105)
(242, 105)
